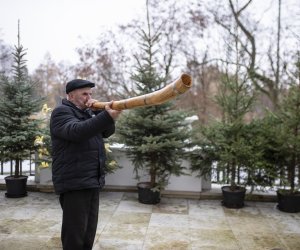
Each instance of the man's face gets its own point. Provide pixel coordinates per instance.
(80, 96)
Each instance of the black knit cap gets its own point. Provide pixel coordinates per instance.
(78, 84)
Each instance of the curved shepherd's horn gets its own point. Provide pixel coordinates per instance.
(178, 87)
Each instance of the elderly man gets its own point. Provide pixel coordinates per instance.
(78, 154)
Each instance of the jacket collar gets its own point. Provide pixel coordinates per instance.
(71, 104)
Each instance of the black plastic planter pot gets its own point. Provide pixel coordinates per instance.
(233, 197)
(16, 187)
(288, 202)
(146, 195)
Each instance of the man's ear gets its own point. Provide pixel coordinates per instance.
(70, 96)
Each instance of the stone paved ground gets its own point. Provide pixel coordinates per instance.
(33, 223)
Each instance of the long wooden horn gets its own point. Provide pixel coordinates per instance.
(178, 87)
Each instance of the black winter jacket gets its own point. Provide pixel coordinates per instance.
(78, 154)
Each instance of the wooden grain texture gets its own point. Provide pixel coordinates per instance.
(170, 91)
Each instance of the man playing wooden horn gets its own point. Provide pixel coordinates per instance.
(78, 155)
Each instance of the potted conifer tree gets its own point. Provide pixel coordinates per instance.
(223, 143)
(155, 136)
(18, 127)
(288, 124)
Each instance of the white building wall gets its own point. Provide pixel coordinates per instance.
(124, 178)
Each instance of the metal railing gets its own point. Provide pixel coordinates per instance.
(255, 178)
(27, 166)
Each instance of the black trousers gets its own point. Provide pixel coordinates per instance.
(80, 218)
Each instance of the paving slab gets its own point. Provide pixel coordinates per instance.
(34, 222)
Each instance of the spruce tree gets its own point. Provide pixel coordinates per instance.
(155, 135)
(225, 141)
(18, 105)
(288, 123)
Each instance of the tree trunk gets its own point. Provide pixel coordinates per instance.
(17, 167)
(152, 177)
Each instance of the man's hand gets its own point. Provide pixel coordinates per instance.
(112, 112)
(89, 104)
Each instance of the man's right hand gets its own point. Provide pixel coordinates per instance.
(112, 112)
